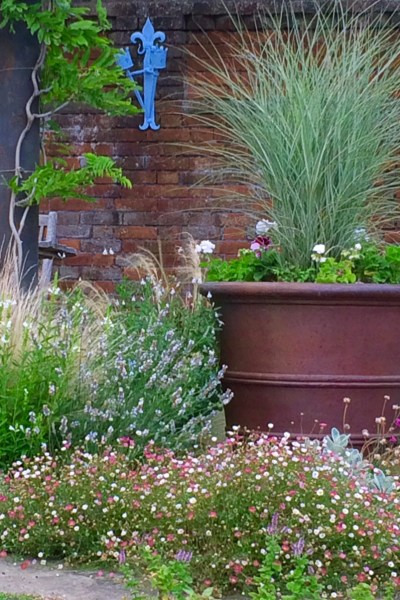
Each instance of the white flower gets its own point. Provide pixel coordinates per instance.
(263, 226)
(319, 248)
(360, 233)
(205, 247)
(357, 246)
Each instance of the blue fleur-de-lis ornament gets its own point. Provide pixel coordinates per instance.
(155, 59)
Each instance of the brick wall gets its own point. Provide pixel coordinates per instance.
(163, 203)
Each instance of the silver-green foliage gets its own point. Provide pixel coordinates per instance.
(310, 121)
(338, 443)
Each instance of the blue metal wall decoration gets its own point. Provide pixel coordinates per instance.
(155, 59)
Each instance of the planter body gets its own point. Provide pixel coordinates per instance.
(294, 351)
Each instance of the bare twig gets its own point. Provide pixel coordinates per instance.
(30, 118)
(51, 112)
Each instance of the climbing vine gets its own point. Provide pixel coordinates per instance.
(76, 63)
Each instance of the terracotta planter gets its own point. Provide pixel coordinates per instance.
(294, 348)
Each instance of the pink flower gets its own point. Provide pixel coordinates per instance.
(261, 243)
(237, 568)
(127, 441)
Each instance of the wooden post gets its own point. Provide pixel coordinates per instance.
(19, 51)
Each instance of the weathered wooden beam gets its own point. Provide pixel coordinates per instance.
(19, 51)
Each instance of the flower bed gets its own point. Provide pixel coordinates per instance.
(84, 369)
(228, 507)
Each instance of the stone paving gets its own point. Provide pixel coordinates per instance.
(52, 583)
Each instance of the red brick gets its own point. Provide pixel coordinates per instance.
(74, 231)
(233, 233)
(176, 204)
(138, 218)
(106, 286)
(235, 219)
(132, 202)
(67, 218)
(97, 246)
(392, 237)
(173, 218)
(173, 135)
(129, 246)
(69, 272)
(100, 217)
(167, 177)
(137, 232)
(201, 135)
(71, 243)
(96, 273)
(162, 203)
(57, 204)
(170, 120)
(228, 247)
(133, 273)
(144, 177)
(103, 232)
(98, 260)
(168, 232)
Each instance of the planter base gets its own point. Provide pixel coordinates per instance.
(295, 351)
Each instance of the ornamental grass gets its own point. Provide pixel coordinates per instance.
(305, 114)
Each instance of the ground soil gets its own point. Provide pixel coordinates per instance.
(52, 583)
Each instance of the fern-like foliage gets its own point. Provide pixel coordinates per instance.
(80, 66)
(80, 61)
(53, 180)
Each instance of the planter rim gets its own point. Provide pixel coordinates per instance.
(334, 291)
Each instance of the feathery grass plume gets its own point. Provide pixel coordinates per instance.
(306, 121)
(189, 271)
(50, 341)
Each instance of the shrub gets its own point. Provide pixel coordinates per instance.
(160, 375)
(80, 368)
(230, 507)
